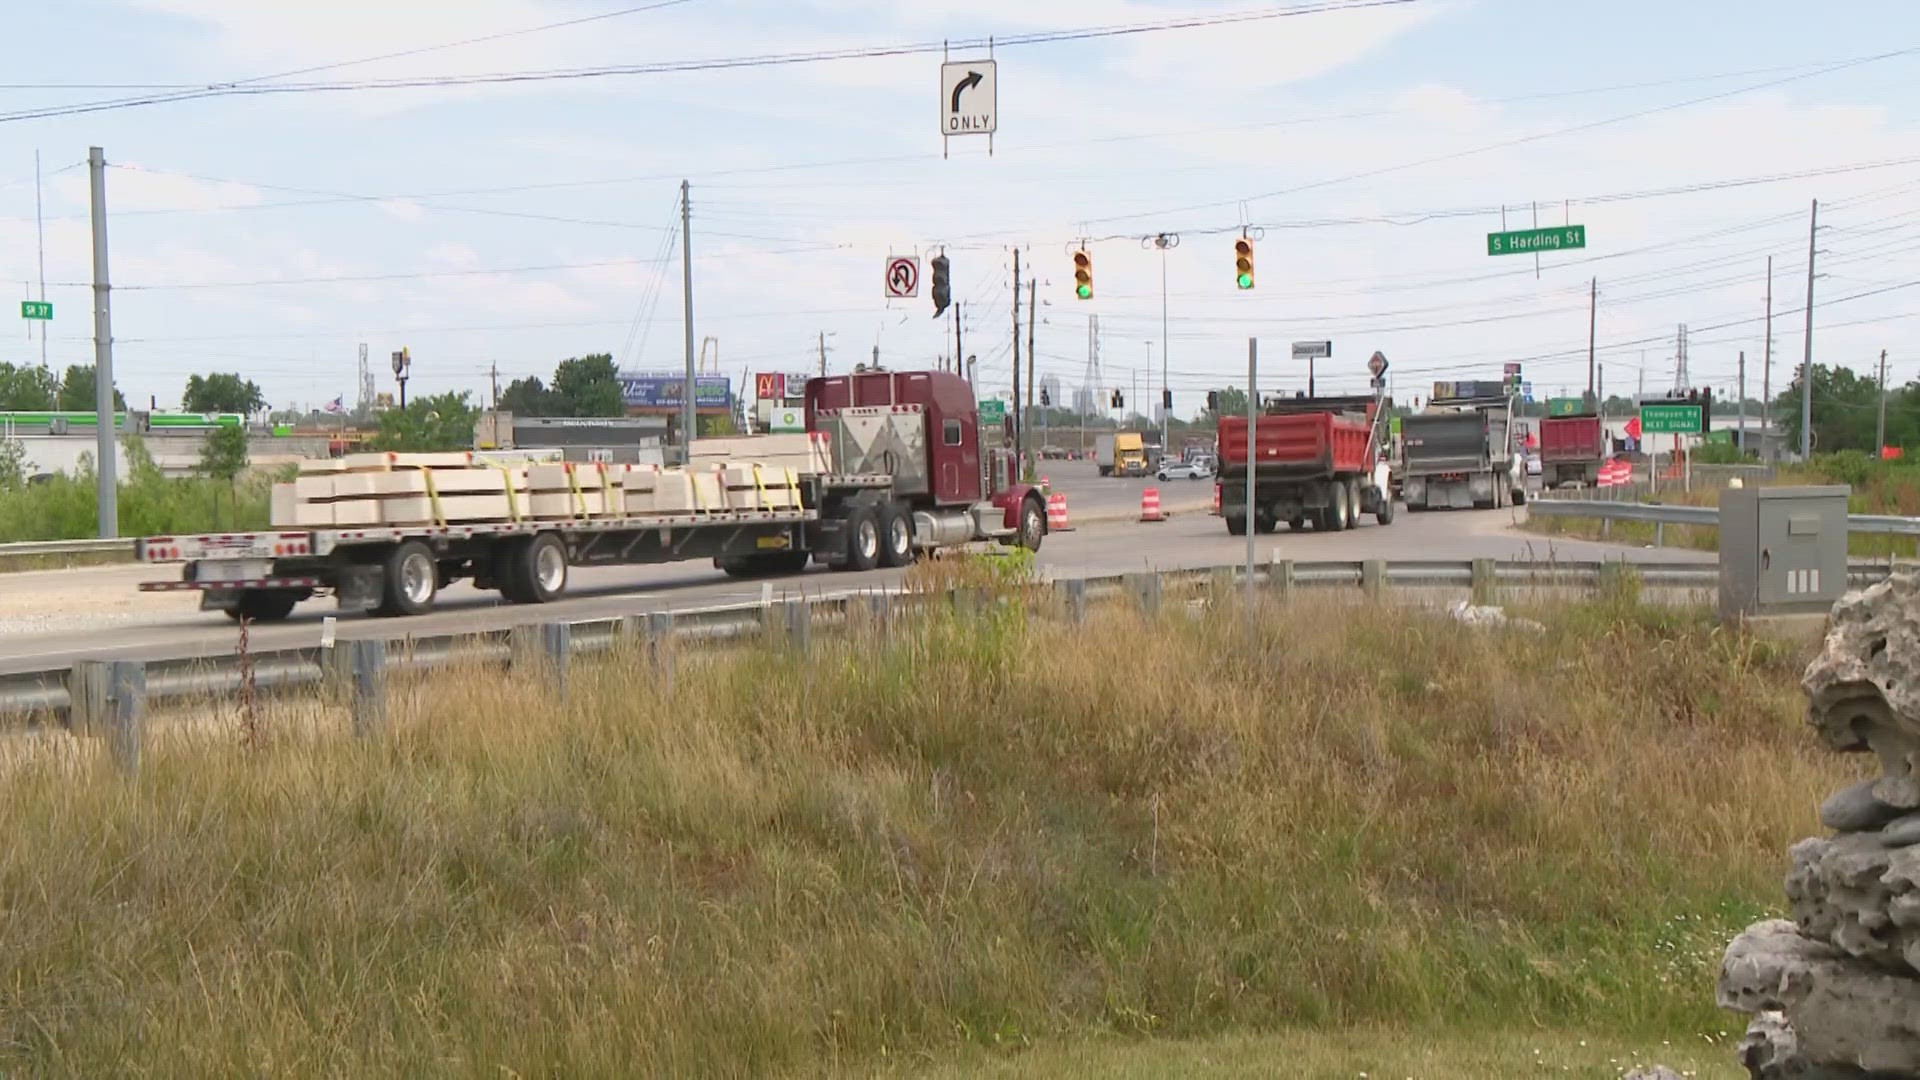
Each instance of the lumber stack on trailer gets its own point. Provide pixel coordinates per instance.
(428, 490)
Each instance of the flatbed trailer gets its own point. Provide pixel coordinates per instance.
(854, 520)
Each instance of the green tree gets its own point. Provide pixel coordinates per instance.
(76, 391)
(27, 388)
(439, 422)
(221, 393)
(1230, 401)
(224, 455)
(13, 465)
(1845, 408)
(588, 386)
(527, 397)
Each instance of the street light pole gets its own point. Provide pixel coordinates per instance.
(1164, 242)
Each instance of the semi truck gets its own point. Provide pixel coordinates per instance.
(1124, 453)
(1571, 450)
(1460, 453)
(913, 469)
(1318, 460)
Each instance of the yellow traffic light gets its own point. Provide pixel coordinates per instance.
(1243, 263)
(1083, 274)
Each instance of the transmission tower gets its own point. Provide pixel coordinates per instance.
(365, 403)
(1681, 380)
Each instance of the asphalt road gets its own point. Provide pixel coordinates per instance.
(153, 626)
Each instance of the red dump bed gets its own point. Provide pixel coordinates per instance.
(1326, 442)
(1569, 439)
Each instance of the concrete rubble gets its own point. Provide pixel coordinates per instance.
(1835, 993)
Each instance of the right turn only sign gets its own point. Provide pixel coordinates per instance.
(969, 98)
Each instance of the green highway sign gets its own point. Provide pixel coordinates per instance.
(1534, 241)
(993, 411)
(1671, 419)
(1565, 406)
(36, 309)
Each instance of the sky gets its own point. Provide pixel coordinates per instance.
(1367, 146)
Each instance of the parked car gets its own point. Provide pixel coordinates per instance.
(1184, 470)
(1533, 465)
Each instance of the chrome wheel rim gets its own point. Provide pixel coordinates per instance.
(898, 538)
(416, 577)
(550, 568)
(868, 539)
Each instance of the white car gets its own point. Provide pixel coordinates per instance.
(1184, 470)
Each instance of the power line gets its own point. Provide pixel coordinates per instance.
(713, 64)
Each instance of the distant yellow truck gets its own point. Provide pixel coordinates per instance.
(1122, 454)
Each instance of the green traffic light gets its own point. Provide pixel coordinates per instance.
(1085, 292)
(1245, 281)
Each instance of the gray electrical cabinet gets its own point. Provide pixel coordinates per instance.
(1783, 550)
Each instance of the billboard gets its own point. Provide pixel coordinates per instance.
(668, 391)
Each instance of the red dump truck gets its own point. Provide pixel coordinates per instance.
(912, 468)
(1572, 449)
(1318, 459)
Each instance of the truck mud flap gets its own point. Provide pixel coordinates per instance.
(358, 588)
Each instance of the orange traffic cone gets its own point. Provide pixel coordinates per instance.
(1057, 513)
(1150, 505)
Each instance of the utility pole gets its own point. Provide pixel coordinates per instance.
(958, 351)
(1766, 364)
(1880, 438)
(1593, 317)
(1743, 401)
(1806, 362)
(493, 380)
(1018, 433)
(823, 354)
(1033, 358)
(1253, 407)
(40, 232)
(1163, 241)
(106, 467)
(689, 393)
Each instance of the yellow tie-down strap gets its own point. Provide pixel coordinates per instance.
(579, 497)
(609, 505)
(433, 498)
(793, 489)
(513, 496)
(760, 486)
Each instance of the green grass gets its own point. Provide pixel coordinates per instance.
(66, 507)
(963, 842)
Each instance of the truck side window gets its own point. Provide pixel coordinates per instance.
(950, 433)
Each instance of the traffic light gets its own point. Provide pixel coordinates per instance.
(942, 285)
(1118, 399)
(1243, 263)
(1166, 400)
(1083, 275)
(1046, 399)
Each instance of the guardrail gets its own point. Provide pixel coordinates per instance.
(80, 695)
(117, 546)
(1657, 514)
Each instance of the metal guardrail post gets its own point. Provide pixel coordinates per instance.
(1280, 578)
(1146, 590)
(1373, 578)
(798, 620)
(87, 697)
(660, 645)
(1659, 534)
(125, 709)
(1074, 590)
(556, 647)
(1606, 527)
(1220, 583)
(1610, 579)
(366, 663)
(1484, 588)
(879, 610)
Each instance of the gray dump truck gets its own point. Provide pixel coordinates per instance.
(1462, 453)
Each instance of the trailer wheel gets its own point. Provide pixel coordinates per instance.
(542, 569)
(266, 605)
(411, 581)
(863, 541)
(1342, 509)
(1237, 526)
(1384, 515)
(896, 535)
